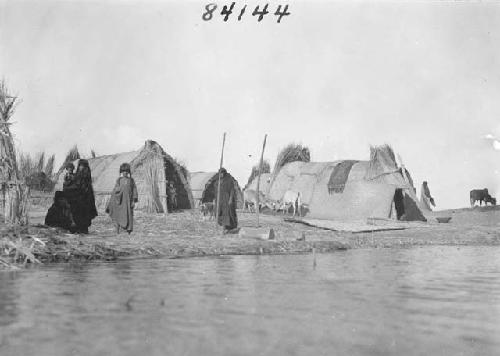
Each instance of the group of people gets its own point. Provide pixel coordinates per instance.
(74, 207)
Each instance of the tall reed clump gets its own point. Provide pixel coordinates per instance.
(382, 161)
(37, 172)
(71, 156)
(14, 193)
(291, 153)
(266, 168)
(151, 197)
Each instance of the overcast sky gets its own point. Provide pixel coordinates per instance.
(335, 76)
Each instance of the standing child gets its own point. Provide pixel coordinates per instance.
(122, 202)
(69, 176)
(173, 196)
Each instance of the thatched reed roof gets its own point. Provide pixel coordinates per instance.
(265, 183)
(293, 152)
(256, 170)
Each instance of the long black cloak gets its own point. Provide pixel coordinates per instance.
(227, 205)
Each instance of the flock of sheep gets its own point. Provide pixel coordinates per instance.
(290, 201)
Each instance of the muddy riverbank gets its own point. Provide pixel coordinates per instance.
(186, 234)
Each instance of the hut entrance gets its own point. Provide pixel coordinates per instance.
(209, 192)
(399, 203)
(177, 196)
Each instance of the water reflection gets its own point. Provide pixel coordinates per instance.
(434, 300)
(9, 294)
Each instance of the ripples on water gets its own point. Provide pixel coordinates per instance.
(429, 301)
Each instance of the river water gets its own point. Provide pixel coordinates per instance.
(417, 301)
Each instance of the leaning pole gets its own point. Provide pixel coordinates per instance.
(218, 183)
(257, 208)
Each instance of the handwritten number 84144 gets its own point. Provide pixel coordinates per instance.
(210, 10)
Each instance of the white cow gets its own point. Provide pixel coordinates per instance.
(291, 198)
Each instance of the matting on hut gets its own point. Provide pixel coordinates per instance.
(357, 226)
(338, 177)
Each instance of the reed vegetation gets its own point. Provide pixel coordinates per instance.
(291, 153)
(13, 192)
(266, 168)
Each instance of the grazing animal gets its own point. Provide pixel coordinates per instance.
(291, 198)
(491, 200)
(481, 195)
(250, 200)
(208, 210)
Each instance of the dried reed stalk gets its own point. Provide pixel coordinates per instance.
(151, 198)
(291, 153)
(9, 173)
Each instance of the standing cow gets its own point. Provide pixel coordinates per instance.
(291, 198)
(481, 195)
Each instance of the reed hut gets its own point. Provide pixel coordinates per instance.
(151, 169)
(203, 188)
(351, 189)
(265, 183)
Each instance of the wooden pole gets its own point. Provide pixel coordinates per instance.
(165, 212)
(258, 179)
(218, 183)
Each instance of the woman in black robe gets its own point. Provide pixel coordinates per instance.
(80, 195)
(227, 202)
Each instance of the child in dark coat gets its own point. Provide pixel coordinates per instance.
(122, 202)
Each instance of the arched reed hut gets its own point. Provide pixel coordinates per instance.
(265, 183)
(151, 169)
(203, 186)
(351, 189)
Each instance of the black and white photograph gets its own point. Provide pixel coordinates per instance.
(261, 177)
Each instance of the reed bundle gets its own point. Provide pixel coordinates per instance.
(291, 153)
(266, 168)
(72, 155)
(13, 192)
(37, 172)
(152, 176)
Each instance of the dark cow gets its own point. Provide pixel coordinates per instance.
(483, 196)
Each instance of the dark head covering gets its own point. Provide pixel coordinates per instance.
(85, 167)
(222, 171)
(83, 176)
(125, 167)
(70, 166)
